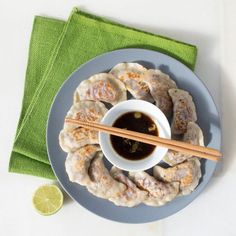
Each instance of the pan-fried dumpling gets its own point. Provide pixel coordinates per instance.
(159, 192)
(78, 162)
(131, 74)
(194, 136)
(132, 196)
(187, 174)
(102, 184)
(184, 110)
(159, 83)
(102, 87)
(73, 137)
(70, 141)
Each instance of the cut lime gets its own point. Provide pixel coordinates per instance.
(48, 199)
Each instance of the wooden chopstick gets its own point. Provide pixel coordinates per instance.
(194, 150)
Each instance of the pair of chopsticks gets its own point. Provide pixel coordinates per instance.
(194, 150)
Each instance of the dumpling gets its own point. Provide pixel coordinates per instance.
(159, 192)
(73, 137)
(132, 196)
(102, 87)
(77, 164)
(184, 110)
(159, 83)
(194, 136)
(70, 141)
(102, 184)
(131, 74)
(187, 174)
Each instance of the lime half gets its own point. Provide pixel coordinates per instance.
(48, 199)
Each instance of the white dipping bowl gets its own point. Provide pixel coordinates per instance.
(150, 110)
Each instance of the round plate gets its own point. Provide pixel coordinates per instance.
(208, 120)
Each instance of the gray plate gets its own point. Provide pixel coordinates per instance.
(208, 119)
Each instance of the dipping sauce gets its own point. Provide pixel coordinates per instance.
(130, 149)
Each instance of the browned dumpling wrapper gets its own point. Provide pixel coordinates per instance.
(159, 84)
(159, 193)
(78, 162)
(72, 136)
(194, 136)
(102, 184)
(102, 87)
(184, 110)
(132, 196)
(187, 174)
(131, 74)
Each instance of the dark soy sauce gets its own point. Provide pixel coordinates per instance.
(131, 149)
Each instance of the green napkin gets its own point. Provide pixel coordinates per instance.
(44, 37)
(57, 48)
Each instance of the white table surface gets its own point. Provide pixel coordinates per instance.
(209, 24)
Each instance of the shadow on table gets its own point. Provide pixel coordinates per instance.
(228, 120)
(66, 198)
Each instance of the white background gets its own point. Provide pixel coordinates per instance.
(209, 24)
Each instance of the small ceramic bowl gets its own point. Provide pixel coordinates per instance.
(150, 110)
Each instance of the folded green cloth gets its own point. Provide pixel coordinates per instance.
(57, 48)
(44, 37)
